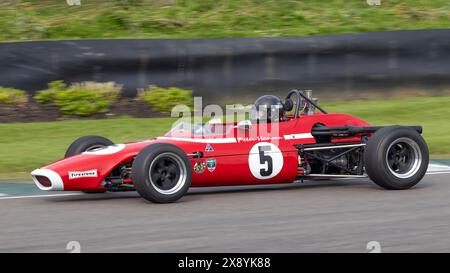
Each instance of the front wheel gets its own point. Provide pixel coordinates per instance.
(162, 173)
(396, 157)
(88, 143)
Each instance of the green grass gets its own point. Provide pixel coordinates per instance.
(26, 146)
(46, 19)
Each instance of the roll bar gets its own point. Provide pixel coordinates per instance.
(300, 94)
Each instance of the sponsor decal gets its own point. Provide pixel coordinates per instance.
(90, 173)
(209, 148)
(258, 138)
(265, 160)
(202, 140)
(274, 138)
(211, 164)
(199, 167)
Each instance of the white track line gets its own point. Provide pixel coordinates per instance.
(3, 194)
(443, 172)
(438, 168)
(39, 196)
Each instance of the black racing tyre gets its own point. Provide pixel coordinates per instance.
(87, 143)
(396, 157)
(162, 173)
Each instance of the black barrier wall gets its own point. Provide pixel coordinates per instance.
(228, 68)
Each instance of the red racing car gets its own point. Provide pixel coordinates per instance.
(283, 142)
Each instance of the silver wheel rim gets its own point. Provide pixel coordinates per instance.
(181, 180)
(403, 157)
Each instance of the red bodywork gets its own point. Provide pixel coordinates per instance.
(230, 151)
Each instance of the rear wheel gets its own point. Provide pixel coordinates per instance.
(88, 143)
(162, 173)
(396, 157)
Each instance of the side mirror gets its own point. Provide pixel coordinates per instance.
(244, 125)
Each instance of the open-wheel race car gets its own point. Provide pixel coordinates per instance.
(285, 141)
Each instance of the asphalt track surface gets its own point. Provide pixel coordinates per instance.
(315, 216)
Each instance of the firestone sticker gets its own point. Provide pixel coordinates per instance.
(90, 173)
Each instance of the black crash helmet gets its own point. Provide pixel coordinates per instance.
(269, 108)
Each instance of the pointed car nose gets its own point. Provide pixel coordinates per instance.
(47, 180)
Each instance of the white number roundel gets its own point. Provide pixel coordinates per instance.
(265, 160)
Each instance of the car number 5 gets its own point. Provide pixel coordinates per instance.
(265, 160)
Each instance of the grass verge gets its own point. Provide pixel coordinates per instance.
(26, 146)
(55, 19)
